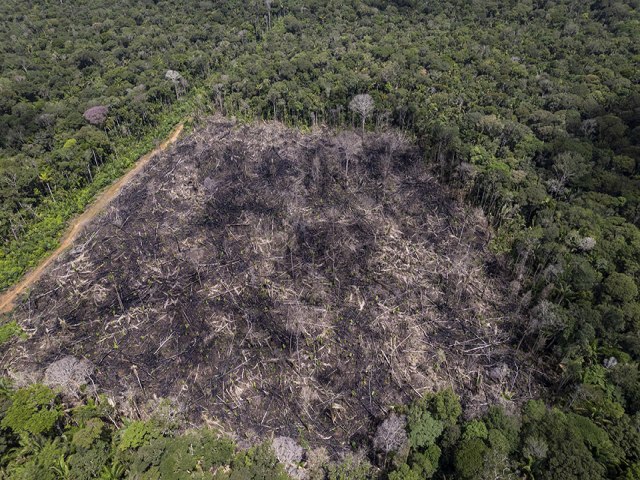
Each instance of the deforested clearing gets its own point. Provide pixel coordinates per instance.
(281, 283)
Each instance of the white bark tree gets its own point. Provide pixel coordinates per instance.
(179, 83)
(267, 4)
(362, 105)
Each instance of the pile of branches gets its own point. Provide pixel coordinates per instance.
(282, 282)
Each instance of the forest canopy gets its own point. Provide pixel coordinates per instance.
(528, 109)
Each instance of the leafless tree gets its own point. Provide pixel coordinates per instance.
(68, 373)
(289, 453)
(179, 83)
(350, 148)
(218, 88)
(362, 105)
(391, 435)
(498, 467)
(267, 4)
(544, 320)
(396, 143)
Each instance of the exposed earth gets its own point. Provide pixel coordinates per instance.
(280, 282)
(8, 298)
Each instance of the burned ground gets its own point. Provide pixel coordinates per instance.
(280, 282)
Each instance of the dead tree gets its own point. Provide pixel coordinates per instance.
(362, 105)
(179, 83)
(267, 4)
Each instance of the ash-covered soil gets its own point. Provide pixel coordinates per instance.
(280, 282)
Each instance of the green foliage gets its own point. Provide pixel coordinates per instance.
(423, 428)
(568, 450)
(137, 434)
(405, 472)
(86, 463)
(538, 442)
(421, 465)
(34, 410)
(259, 463)
(621, 287)
(596, 439)
(445, 406)
(534, 410)
(42, 464)
(475, 429)
(352, 467)
(70, 143)
(505, 426)
(425, 463)
(498, 442)
(544, 123)
(469, 458)
(146, 460)
(93, 448)
(86, 436)
(198, 451)
(8, 331)
(91, 409)
(631, 473)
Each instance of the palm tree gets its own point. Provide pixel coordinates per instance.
(45, 177)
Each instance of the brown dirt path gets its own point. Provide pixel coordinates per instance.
(74, 229)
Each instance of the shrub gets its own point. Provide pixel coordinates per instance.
(259, 463)
(86, 463)
(405, 473)
(40, 465)
(534, 410)
(353, 467)
(422, 463)
(426, 463)
(507, 425)
(8, 331)
(196, 451)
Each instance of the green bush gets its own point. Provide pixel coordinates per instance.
(85, 463)
(621, 287)
(507, 425)
(199, 451)
(8, 331)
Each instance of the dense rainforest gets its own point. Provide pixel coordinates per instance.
(529, 109)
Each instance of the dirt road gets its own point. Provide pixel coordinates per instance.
(8, 298)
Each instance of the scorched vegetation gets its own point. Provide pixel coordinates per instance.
(300, 284)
